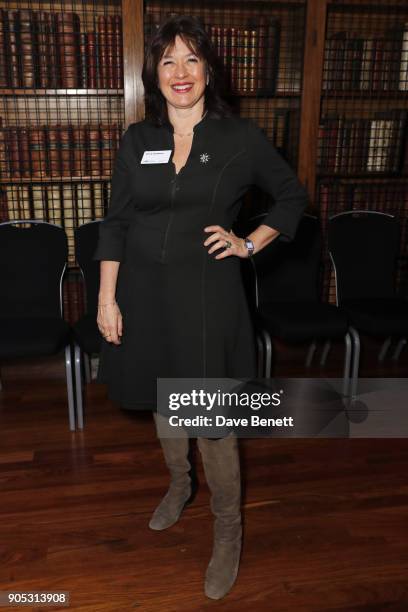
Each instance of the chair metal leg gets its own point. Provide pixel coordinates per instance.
(260, 355)
(325, 352)
(70, 387)
(268, 357)
(355, 362)
(78, 387)
(347, 364)
(384, 349)
(310, 353)
(398, 349)
(87, 367)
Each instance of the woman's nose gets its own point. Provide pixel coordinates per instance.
(180, 70)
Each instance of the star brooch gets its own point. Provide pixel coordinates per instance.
(204, 158)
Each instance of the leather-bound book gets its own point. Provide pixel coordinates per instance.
(46, 50)
(53, 54)
(54, 157)
(118, 51)
(83, 202)
(252, 60)
(39, 202)
(92, 61)
(38, 152)
(106, 149)
(66, 150)
(110, 59)
(83, 60)
(233, 62)
(67, 31)
(94, 150)
(79, 141)
(12, 48)
(102, 52)
(4, 155)
(24, 151)
(27, 48)
(3, 60)
(13, 152)
(98, 202)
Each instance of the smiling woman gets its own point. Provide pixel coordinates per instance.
(172, 301)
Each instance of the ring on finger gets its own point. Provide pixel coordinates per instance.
(228, 244)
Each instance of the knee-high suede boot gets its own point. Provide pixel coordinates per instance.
(182, 487)
(222, 471)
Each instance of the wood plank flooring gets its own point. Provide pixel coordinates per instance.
(325, 521)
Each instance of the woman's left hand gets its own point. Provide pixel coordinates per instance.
(221, 239)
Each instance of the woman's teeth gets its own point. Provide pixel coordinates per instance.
(182, 88)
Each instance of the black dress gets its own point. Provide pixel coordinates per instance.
(185, 314)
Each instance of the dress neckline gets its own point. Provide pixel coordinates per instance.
(169, 126)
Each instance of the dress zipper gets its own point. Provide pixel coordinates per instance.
(173, 190)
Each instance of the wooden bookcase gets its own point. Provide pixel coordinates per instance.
(303, 70)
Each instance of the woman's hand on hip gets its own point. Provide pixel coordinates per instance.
(221, 239)
(110, 322)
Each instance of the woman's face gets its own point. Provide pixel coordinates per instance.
(181, 75)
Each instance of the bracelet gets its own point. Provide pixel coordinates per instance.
(108, 304)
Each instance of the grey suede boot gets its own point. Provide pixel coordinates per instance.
(182, 488)
(222, 471)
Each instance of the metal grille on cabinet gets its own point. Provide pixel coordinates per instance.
(362, 146)
(61, 113)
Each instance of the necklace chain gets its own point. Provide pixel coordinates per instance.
(190, 133)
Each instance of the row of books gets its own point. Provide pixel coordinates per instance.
(377, 63)
(48, 50)
(250, 54)
(58, 150)
(67, 205)
(353, 146)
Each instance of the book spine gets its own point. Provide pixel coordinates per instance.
(66, 150)
(102, 53)
(94, 151)
(83, 57)
(92, 63)
(38, 152)
(110, 60)
(3, 49)
(27, 48)
(12, 44)
(79, 139)
(67, 25)
(118, 52)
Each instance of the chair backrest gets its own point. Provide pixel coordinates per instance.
(86, 238)
(33, 256)
(288, 272)
(363, 246)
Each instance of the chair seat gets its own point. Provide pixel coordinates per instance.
(32, 336)
(303, 321)
(379, 317)
(87, 334)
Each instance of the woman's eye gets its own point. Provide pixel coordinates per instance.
(192, 59)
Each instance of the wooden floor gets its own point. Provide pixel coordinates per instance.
(325, 521)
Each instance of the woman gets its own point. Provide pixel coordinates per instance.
(171, 299)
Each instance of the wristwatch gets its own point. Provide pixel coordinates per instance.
(250, 246)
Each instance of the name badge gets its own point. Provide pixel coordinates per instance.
(156, 157)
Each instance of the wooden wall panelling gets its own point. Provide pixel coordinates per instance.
(311, 94)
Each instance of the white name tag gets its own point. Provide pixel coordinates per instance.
(156, 157)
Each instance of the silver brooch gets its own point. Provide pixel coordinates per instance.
(204, 158)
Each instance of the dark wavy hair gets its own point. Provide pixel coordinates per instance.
(192, 31)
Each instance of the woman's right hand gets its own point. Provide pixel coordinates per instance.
(110, 322)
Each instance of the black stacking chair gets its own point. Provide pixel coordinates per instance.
(364, 247)
(33, 258)
(87, 338)
(287, 304)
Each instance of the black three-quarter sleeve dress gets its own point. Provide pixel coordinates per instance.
(185, 314)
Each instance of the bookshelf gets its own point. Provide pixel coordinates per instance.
(62, 115)
(326, 80)
(362, 137)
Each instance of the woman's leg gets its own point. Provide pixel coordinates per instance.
(220, 458)
(181, 491)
